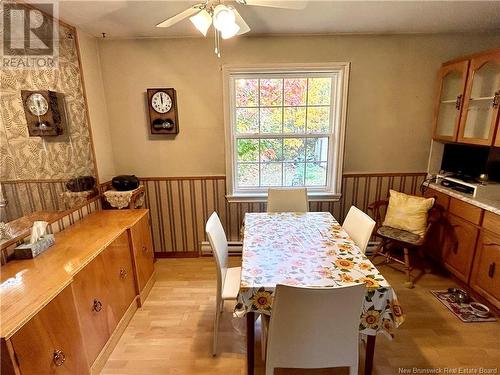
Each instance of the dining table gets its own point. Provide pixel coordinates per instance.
(311, 250)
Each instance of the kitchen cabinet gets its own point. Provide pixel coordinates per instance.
(485, 277)
(449, 104)
(459, 246)
(479, 118)
(466, 241)
(467, 107)
(51, 343)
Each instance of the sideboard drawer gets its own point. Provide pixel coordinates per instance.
(50, 343)
(485, 277)
(491, 222)
(466, 211)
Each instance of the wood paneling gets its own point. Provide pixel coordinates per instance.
(180, 206)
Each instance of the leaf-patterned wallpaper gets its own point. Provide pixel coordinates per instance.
(36, 158)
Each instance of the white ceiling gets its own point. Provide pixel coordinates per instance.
(131, 19)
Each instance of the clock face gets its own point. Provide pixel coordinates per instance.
(37, 104)
(161, 102)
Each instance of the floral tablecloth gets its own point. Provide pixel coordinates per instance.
(310, 249)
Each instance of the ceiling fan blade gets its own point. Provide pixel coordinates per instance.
(179, 17)
(244, 28)
(285, 4)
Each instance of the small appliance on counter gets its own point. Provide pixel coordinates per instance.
(125, 182)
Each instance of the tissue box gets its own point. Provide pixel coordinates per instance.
(31, 250)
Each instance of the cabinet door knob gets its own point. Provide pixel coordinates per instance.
(58, 357)
(97, 305)
(458, 102)
(496, 99)
(144, 249)
(491, 270)
(123, 273)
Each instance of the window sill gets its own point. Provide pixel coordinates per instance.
(262, 197)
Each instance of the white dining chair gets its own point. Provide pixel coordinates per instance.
(228, 279)
(314, 328)
(359, 226)
(287, 200)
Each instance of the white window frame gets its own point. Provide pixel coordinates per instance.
(332, 191)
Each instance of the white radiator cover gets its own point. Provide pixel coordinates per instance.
(235, 248)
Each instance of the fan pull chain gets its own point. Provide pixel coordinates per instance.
(217, 42)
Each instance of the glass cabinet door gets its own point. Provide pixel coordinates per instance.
(481, 103)
(449, 105)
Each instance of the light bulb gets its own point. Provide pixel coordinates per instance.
(229, 31)
(202, 21)
(224, 18)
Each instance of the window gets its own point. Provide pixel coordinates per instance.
(285, 128)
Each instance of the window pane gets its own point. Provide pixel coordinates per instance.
(247, 120)
(295, 120)
(295, 91)
(271, 150)
(248, 149)
(315, 174)
(318, 119)
(294, 149)
(270, 174)
(248, 175)
(246, 92)
(317, 149)
(271, 92)
(270, 120)
(294, 174)
(319, 91)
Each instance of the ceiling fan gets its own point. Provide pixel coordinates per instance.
(226, 20)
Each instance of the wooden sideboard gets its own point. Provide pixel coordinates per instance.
(466, 240)
(64, 311)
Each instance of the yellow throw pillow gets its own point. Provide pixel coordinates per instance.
(407, 212)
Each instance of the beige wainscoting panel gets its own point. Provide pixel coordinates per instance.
(180, 206)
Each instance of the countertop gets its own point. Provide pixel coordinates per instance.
(488, 202)
(29, 285)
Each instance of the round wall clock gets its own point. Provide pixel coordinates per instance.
(161, 102)
(37, 104)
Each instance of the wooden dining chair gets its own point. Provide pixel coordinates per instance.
(392, 238)
(228, 279)
(359, 226)
(287, 200)
(315, 328)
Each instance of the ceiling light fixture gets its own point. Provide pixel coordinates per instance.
(202, 21)
(224, 17)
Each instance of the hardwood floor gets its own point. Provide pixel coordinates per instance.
(172, 333)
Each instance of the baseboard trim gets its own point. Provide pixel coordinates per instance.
(177, 254)
(147, 288)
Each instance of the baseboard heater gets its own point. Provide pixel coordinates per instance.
(235, 248)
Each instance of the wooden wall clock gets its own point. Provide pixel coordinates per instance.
(162, 106)
(45, 112)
